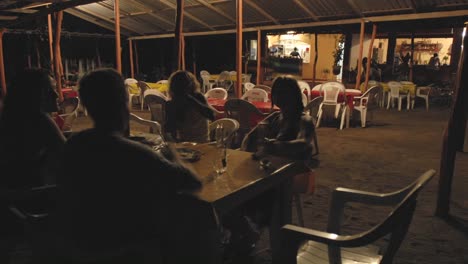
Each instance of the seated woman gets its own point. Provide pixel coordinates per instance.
(288, 132)
(187, 113)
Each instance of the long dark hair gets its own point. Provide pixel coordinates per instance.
(286, 94)
(181, 84)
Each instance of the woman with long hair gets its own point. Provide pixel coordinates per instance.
(187, 113)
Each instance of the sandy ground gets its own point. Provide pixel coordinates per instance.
(389, 154)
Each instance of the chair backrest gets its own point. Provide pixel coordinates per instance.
(154, 92)
(248, 86)
(231, 126)
(162, 82)
(219, 93)
(224, 80)
(331, 90)
(69, 106)
(313, 106)
(155, 127)
(204, 73)
(157, 106)
(304, 99)
(244, 112)
(263, 87)
(304, 86)
(374, 96)
(255, 95)
(394, 88)
(130, 81)
(246, 78)
(396, 223)
(423, 91)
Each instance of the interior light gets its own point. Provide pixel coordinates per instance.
(291, 32)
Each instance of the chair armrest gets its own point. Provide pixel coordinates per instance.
(341, 196)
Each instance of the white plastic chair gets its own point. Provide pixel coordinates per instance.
(207, 84)
(331, 90)
(230, 125)
(155, 127)
(248, 86)
(154, 92)
(304, 99)
(218, 93)
(255, 95)
(266, 88)
(368, 102)
(304, 86)
(132, 95)
(224, 80)
(395, 88)
(423, 92)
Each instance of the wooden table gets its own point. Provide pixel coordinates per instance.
(264, 107)
(246, 180)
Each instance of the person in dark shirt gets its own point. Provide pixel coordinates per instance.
(116, 193)
(187, 113)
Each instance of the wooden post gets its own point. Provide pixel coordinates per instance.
(361, 47)
(410, 63)
(259, 56)
(118, 57)
(51, 49)
(130, 54)
(239, 48)
(137, 66)
(179, 35)
(449, 143)
(2, 65)
(58, 76)
(369, 56)
(314, 73)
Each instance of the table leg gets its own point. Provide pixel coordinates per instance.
(281, 215)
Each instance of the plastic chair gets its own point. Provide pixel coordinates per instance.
(369, 101)
(304, 99)
(263, 87)
(154, 92)
(128, 82)
(304, 86)
(332, 247)
(423, 92)
(230, 126)
(331, 90)
(157, 107)
(248, 86)
(255, 95)
(395, 93)
(68, 111)
(207, 84)
(218, 93)
(155, 127)
(224, 80)
(245, 113)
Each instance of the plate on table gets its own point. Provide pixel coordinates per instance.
(187, 154)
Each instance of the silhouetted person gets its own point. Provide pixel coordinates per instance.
(119, 199)
(187, 113)
(295, 53)
(29, 141)
(434, 62)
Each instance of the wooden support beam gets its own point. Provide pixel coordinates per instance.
(361, 47)
(259, 57)
(239, 17)
(449, 143)
(118, 53)
(410, 63)
(137, 64)
(179, 34)
(307, 10)
(57, 58)
(2, 65)
(261, 11)
(51, 48)
(171, 5)
(369, 56)
(130, 54)
(314, 73)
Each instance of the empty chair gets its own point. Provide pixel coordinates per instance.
(206, 83)
(369, 101)
(157, 107)
(313, 107)
(245, 113)
(130, 81)
(395, 93)
(246, 77)
(133, 89)
(230, 127)
(218, 93)
(155, 127)
(423, 92)
(332, 247)
(255, 95)
(154, 92)
(263, 87)
(162, 82)
(331, 91)
(304, 87)
(248, 86)
(224, 80)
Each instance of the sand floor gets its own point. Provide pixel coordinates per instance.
(389, 154)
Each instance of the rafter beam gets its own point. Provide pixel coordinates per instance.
(261, 11)
(307, 10)
(354, 7)
(8, 17)
(20, 10)
(94, 14)
(152, 14)
(171, 5)
(216, 10)
(79, 14)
